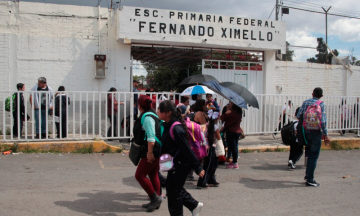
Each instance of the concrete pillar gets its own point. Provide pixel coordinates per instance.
(269, 72)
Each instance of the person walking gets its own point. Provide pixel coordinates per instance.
(285, 109)
(232, 119)
(146, 135)
(60, 109)
(41, 101)
(19, 110)
(296, 149)
(210, 161)
(136, 96)
(345, 117)
(313, 137)
(112, 109)
(184, 160)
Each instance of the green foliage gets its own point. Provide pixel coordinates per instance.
(268, 150)
(336, 146)
(85, 150)
(323, 57)
(119, 150)
(279, 150)
(246, 151)
(106, 150)
(162, 78)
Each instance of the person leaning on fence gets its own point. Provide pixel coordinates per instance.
(145, 134)
(184, 160)
(60, 110)
(345, 116)
(313, 137)
(285, 109)
(19, 111)
(112, 109)
(136, 96)
(232, 119)
(41, 99)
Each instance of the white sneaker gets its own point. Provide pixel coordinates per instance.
(197, 210)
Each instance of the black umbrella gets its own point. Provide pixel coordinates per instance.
(243, 92)
(226, 93)
(196, 79)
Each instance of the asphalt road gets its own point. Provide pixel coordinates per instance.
(96, 184)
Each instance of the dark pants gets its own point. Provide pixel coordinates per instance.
(63, 125)
(345, 124)
(144, 169)
(232, 140)
(210, 166)
(162, 180)
(16, 123)
(296, 151)
(314, 145)
(176, 193)
(114, 128)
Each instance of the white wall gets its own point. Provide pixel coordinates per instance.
(59, 42)
(298, 78)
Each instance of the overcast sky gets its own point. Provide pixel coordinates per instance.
(302, 27)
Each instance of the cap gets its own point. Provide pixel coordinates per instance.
(136, 81)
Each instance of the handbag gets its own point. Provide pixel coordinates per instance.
(135, 153)
(242, 134)
(167, 162)
(219, 149)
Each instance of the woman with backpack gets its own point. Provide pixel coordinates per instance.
(184, 160)
(232, 119)
(146, 132)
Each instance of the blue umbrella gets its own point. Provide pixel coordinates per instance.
(198, 89)
(226, 93)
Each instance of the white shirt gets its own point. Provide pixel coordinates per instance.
(295, 128)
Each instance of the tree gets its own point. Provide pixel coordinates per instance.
(354, 61)
(163, 78)
(323, 57)
(289, 53)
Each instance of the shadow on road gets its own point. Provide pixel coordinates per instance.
(104, 203)
(131, 181)
(280, 167)
(266, 184)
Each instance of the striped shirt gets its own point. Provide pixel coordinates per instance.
(310, 102)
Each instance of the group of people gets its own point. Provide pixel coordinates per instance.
(155, 131)
(42, 104)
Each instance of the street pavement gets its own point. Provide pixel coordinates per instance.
(104, 184)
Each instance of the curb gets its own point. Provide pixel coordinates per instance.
(64, 146)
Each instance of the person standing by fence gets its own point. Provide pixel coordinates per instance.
(60, 109)
(19, 110)
(41, 99)
(285, 109)
(313, 137)
(112, 109)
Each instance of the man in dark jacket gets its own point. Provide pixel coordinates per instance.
(19, 111)
(61, 103)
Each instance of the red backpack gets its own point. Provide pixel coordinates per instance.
(197, 139)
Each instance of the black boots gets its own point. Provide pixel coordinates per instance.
(155, 202)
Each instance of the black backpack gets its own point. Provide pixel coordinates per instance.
(288, 133)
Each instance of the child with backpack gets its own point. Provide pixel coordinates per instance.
(210, 161)
(183, 159)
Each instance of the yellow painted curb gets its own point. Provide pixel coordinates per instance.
(64, 146)
(263, 149)
(342, 143)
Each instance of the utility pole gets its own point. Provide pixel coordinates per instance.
(326, 14)
(277, 10)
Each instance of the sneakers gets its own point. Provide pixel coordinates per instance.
(232, 166)
(291, 165)
(197, 210)
(313, 183)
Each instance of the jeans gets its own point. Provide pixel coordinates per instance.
(43, 121)
(232, 140)
(314, 145)
(109, 133)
